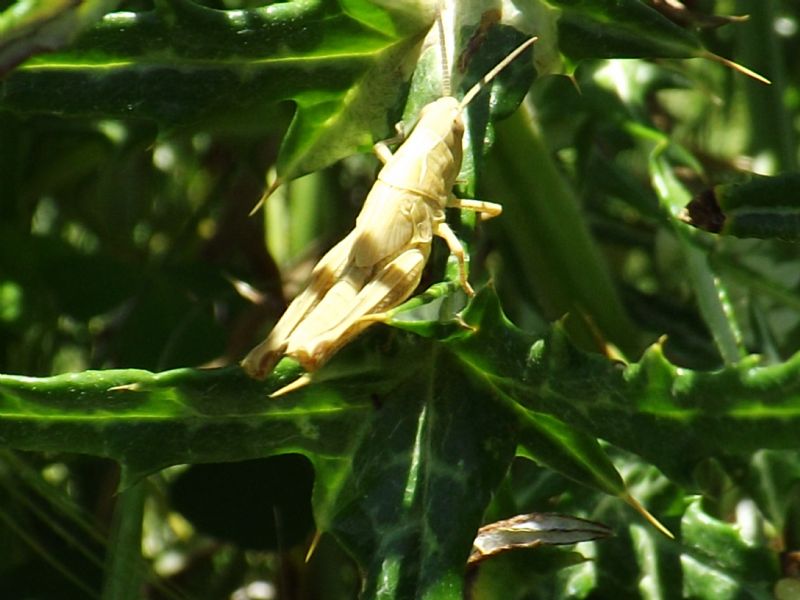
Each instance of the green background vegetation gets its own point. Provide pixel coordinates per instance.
(613, 351)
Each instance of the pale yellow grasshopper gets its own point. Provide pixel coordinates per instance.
(379, 264)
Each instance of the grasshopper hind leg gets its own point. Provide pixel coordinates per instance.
(392, 284)
(263, 358)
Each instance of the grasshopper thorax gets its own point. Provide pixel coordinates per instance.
(428, 163)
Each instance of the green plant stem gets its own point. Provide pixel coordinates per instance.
(712, 298)
(124, 567)
(542, 218)
(771, 126)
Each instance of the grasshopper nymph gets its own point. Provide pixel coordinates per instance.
(379, 264)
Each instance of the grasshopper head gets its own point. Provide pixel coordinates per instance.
(443, 115)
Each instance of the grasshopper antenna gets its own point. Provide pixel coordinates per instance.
(446, 84)
(475, 89)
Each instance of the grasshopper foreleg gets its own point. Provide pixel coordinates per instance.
(457, 250)
(488, 210)
(381, 149)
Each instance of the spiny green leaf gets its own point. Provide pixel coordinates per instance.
(719, 563)
(184, 64)
(621, 29)
(428, 460)
(760, 207)
(148, 421)
(446, 415)
(548, 441)
(29, 27)
(672, 416)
